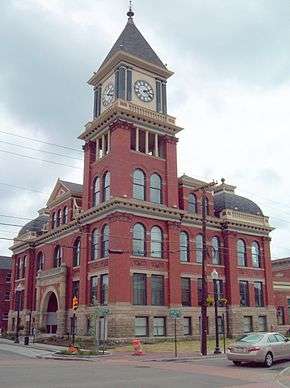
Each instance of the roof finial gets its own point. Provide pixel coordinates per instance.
(130, 13)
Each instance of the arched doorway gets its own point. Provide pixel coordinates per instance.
(51, 321)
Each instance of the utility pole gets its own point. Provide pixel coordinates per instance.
(203, 188)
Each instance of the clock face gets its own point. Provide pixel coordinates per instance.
(144, 91)
(108, 95)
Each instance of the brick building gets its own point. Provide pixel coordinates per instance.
(281, 285)
(130, 237)
(5, 284)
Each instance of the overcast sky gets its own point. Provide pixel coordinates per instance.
(230, 92)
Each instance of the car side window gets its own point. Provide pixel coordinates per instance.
(272, 339)
(280, 338)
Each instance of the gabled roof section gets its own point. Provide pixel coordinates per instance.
(63, 188)
(131, 41)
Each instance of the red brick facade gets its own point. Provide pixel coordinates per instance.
(94, 226)
(281, 283)
(5, 284)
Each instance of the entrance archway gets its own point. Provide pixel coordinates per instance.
(51, 320)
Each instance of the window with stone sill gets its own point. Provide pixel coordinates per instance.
(141, 327)
(187, 326)
(159, 326)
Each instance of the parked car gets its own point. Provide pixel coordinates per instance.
(259, 347)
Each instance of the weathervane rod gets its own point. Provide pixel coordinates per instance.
(130, 13)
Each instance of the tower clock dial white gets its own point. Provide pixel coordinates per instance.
(108, 95)
(144, 91)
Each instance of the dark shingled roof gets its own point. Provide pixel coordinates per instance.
(225, 200)
(5, 262)
(132, 42)
(34, 225)
(74, 188)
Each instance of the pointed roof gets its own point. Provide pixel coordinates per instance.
(63, 188)
(132, 42)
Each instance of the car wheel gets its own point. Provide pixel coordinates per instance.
(268, 360)
(237, 363)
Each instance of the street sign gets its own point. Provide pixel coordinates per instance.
(174, 313)
(103, 311)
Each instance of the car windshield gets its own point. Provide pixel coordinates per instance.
(251, 338)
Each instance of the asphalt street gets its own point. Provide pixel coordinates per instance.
(17, 370)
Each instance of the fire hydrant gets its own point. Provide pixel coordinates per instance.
(137, 347)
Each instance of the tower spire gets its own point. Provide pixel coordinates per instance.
(130, 13)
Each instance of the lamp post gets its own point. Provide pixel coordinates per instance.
(17, 296)
(214, 276)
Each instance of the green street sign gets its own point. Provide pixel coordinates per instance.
(102, 311)
(174, 313)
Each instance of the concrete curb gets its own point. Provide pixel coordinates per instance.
(181, 359)
(73, 358)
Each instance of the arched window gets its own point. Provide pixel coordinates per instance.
(216, 250)
(256, 255)
(156, 242)
(96, 192)
(53, 221)
(183, 246)
(155, 188)
(105, 241)
(106, 186)
(77, 252)
(95, 245)
(58, 217)
(40, 261)
(192, 203)
(57, 257)
(22, 267)
(139, 247)
(198, 248)
(139, 185)
(241, 253)
(65, 215)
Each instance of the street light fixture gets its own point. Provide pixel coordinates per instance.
(215, 276)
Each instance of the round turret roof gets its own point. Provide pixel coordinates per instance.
(35, 225)
(228, 200)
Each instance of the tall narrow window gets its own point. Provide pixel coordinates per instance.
(53, 221)
(183, 247)
(104, 289)
(122, 79)
(77, 252)
(129, 85)
(93, 290)
(155, 188)
(244, 293)
(241, 253)
(156, 242)
(57, 257)
(164, 98)
(58, 218)
(40, 262)
(139, 289)
(256, 255)
(139, 185)
(192, 203)
(105, 241)
(216, 254)
(96, 192)
(106, 186)
(65, 215)
(259, 295)
(139, 246)
(185, 292)
(97, 101)
(157, 286)
(23, 266)
(95, 245)
(198, 248)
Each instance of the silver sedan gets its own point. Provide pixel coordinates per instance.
(259, 347)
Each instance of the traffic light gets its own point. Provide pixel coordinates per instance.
(75, 303)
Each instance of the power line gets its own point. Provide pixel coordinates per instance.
(23, 188)
(41, 160)
(14, 225)
(17, 218)
(41, 141)
(43, 151)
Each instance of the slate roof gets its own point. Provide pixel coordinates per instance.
(35, 225)
(132, 42)
(5, 262)
(226, 200)
(74, 188)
